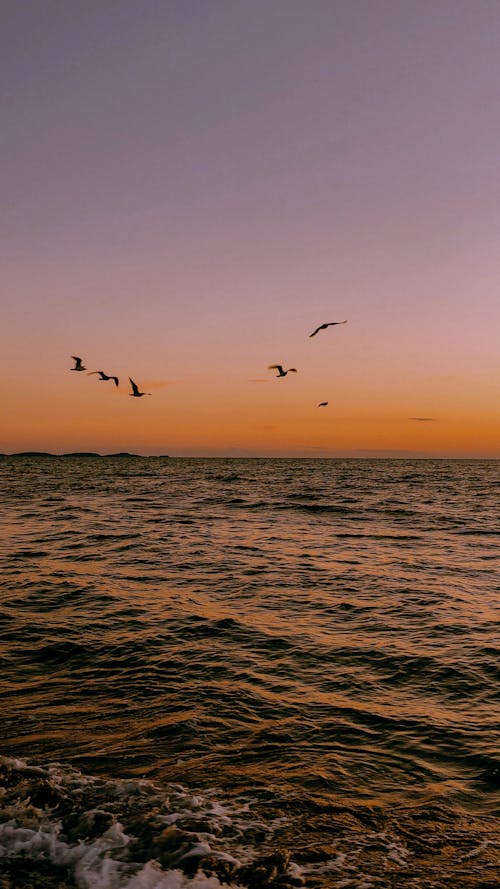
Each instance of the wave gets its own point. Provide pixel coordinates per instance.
(61, 827)
(131, 834)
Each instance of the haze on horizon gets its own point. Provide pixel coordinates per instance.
(190, 189)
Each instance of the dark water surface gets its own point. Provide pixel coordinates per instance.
(300, 654)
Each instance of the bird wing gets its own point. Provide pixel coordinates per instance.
(115, 379)
(93, 372)
(276, 367)
(324, 326)
(77, 360)
(292, 370)
(135, 388)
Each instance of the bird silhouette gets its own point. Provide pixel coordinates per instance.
(281, 372)
(104, 376)
(324, 326)
(135, 390)
(322, 404)
(78, 363)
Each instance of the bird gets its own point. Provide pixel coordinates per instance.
(323, 404)
(135, 390)
(78, 363)
(281, 372)
(104, 376)
(324, 326)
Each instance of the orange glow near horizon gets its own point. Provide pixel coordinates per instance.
(229, 416)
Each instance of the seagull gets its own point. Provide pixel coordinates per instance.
(322, 404)
(104, 376)
(78, 363)
(324, 326)
(135, 390)
(281, 372)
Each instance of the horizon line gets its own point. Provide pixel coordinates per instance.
(366, 455)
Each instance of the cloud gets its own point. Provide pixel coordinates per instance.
(423, 419)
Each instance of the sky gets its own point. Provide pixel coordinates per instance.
(189, 189)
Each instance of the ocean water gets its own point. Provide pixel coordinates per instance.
(249, 672)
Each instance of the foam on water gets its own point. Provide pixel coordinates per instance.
(125, 834)
(100, 833)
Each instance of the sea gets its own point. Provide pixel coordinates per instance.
(262, 673)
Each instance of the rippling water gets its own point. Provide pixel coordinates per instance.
(306, 648)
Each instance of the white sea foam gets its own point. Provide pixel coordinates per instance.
(132, 834)
(398, 853)
(93, 863)
(150, 877)
(114, 858)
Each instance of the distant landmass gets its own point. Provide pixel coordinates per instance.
(121, 455)
(30, 454)
(80, 454)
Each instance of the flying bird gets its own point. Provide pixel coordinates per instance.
(324, 326)
(103, 376)
(78, 363)
(281, 372)
(135, 390)
(323, 404)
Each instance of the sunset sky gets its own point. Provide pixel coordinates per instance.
(189, 188)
